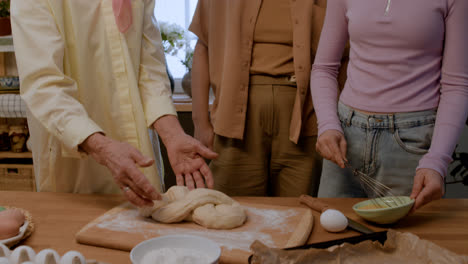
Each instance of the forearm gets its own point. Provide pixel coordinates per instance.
(453, 105)
(451, 117)
(50, 94)
(168, 127)
(323, 80)
(200, 85)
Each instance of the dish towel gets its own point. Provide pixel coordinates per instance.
(12, 106)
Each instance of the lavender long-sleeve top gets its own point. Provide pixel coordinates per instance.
(405, 56)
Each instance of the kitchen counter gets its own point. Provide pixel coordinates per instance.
(58, 217)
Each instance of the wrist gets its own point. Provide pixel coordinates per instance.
(201, 122)
(168, 128)
(93, 143)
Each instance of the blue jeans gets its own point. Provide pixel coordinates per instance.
(385, 147)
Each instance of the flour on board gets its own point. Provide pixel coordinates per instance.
(131, 222)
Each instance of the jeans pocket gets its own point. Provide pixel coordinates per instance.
(415, 140)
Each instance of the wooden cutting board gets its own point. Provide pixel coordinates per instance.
(123, 228)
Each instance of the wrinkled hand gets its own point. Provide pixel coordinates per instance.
(186, 157)
(123, 161)
(428, 186)
(205, 134)
(332, 145)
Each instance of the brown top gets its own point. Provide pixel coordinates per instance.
(226, 28)
(272, 52)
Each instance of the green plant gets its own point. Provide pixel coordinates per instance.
(5, 8)
(175, 38)
(188, 60)
(460, 172)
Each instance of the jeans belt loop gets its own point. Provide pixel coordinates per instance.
(349, 117)
(392, 123)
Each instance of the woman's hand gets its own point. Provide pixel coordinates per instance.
(123, 161)
(186, 156)
(428, 186)
(205, 134)
(185, 153)
(331, 145)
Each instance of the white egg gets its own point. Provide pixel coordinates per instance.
(4, 260)
(22, 254)
(73, 257)
(333, 220)
(4, 251)
(47, 256)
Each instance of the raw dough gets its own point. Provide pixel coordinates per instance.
(206, 207)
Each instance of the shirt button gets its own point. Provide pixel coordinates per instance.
(296, 21)
(303, 91)
(300, 67)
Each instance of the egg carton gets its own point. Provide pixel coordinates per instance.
(26, 255)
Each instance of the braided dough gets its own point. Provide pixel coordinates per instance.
(206, 207)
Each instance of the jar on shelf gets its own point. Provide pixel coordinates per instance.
(4, 137)
(18, 136)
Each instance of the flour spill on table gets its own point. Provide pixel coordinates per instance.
(130, 221)
(274, 218)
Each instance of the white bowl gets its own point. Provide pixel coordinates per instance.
(191, 243)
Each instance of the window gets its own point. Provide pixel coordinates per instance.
(181, 13)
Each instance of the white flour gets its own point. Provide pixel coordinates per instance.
(175, 256)
(274, 220)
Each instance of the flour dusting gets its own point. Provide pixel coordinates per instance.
(175, 256)
(130, 221)
(274, 218)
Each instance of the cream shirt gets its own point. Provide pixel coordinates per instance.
(80, 75)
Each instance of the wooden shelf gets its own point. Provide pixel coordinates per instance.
(183, 102)
(15, 155)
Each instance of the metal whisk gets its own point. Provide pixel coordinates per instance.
(375, 188)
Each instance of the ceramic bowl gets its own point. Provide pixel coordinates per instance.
(9, 82)
(386, 214)
(180, 242)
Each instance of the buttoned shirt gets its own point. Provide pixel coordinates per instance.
(227, 28)
(80, 75)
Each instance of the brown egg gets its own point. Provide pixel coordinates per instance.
(9, 228)
(13, 214)
(10, 222)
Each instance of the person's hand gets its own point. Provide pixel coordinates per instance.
(331, 145)
(205, 134)
(123, 161)
(185, 154)
(428, 186)
(186, 157)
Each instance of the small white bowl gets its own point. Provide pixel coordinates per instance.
(194, 243)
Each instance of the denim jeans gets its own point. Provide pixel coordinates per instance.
(385, 147)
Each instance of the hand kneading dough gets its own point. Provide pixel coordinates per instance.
(206, 207)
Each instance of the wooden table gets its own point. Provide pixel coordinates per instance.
(58, 217)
